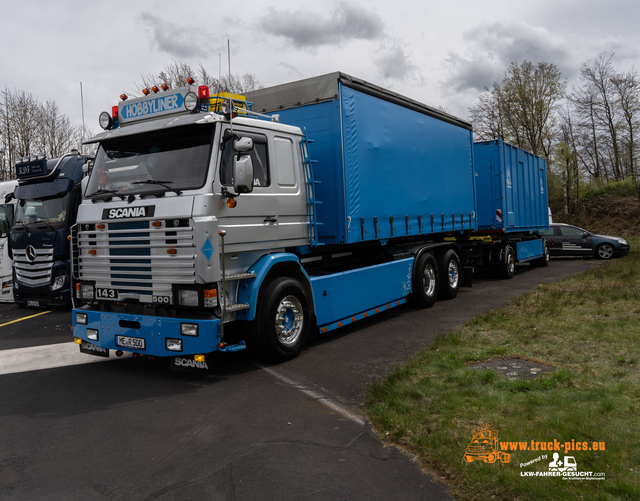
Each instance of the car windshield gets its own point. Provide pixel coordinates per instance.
(6, 219)
(48, 210)
(168, 160)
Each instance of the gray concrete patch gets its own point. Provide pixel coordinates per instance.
(514, 368)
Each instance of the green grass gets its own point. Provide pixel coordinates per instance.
(586, 327)
(624, 188)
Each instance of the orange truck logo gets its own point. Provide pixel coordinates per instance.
(484, 446)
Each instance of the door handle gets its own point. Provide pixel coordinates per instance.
(270, 220)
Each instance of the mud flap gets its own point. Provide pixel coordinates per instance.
(467, 277)
(92, 349)
(188, 364)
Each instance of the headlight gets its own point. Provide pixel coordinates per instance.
(191, 101)
(92, 334)
(189, 329)
(86, 291)
(173, 344)
(81, 318)
(188, 298)
(105, 120)
(622, 241)
(58, 282)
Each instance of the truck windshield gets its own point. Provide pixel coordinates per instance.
(6, 219)
(159, 161)
(48, 210)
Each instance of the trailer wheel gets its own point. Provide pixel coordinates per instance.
(544, 260)
(450, 270)
(508, 267)
(425, 281)
(283, 321)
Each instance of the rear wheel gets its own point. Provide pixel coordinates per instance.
(449, 274)
(283, 321)
(507, 268)
(425, 281)
(544, 260)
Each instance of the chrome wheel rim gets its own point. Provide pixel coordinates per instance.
(289, 320)
(511, 262)
(454, 274)
(429, 280)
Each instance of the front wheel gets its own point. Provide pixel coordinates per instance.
(283, 321)
(605, 251)
(507, 268)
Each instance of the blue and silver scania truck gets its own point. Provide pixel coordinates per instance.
(195, 218)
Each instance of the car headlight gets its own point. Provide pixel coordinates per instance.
(188, 298)
(58, 282)
(622, 241)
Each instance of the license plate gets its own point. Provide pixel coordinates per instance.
(135, 343)
(107, 293)
(33, 303)
(92, 349)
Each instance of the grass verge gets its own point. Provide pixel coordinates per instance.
(586, 327)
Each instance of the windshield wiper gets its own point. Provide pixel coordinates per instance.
(102, 191)
(45, 223)
(161, 183)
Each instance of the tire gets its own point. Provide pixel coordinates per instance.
(425, 281)
(491, 458)
(544, 260)
(508, 267)
(283, 321)
(605, 251)
(450, 277)
(468, 459)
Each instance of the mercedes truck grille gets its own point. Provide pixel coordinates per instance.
(33, 266)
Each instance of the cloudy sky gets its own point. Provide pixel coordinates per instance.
(439, 53)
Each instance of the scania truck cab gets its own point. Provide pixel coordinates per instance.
(47, 199)
(7, 209)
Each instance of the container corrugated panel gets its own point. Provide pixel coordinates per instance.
(385, 162)
(511, 187)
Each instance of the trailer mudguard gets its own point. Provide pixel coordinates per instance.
(249, 288)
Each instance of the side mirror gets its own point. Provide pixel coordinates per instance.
(243, 173)
(87, 167)
(585, 234)
(243, 144)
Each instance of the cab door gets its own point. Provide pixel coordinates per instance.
(575, 241)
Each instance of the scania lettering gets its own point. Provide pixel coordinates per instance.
(48, 196)
(211, 214)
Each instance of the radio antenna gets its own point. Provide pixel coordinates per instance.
(83, 129)
(230, 101)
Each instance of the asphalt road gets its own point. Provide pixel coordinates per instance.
(79, 427)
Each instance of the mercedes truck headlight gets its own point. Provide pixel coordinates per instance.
(81, 318)
(188, 298)
(58, 283)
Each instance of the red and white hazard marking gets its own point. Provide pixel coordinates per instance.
(499, 215)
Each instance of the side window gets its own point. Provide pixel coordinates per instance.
(259, 157)
(284, 161)
(546, 233)
(570, 231)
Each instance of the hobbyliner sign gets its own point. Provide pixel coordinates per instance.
(129, 212)
(155, 105)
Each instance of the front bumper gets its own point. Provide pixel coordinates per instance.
(154, 330)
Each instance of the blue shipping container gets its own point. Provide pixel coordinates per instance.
(511, 188)
(388, 166)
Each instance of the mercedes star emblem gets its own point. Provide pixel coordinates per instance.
(31, 253)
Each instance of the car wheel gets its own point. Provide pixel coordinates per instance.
(449, 274)
(283, 321)
(605, 251)
(425, 281)
(507, 268)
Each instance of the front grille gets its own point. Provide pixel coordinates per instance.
(35, 271)
(135, 262)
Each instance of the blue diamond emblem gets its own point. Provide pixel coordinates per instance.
(207, 249)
